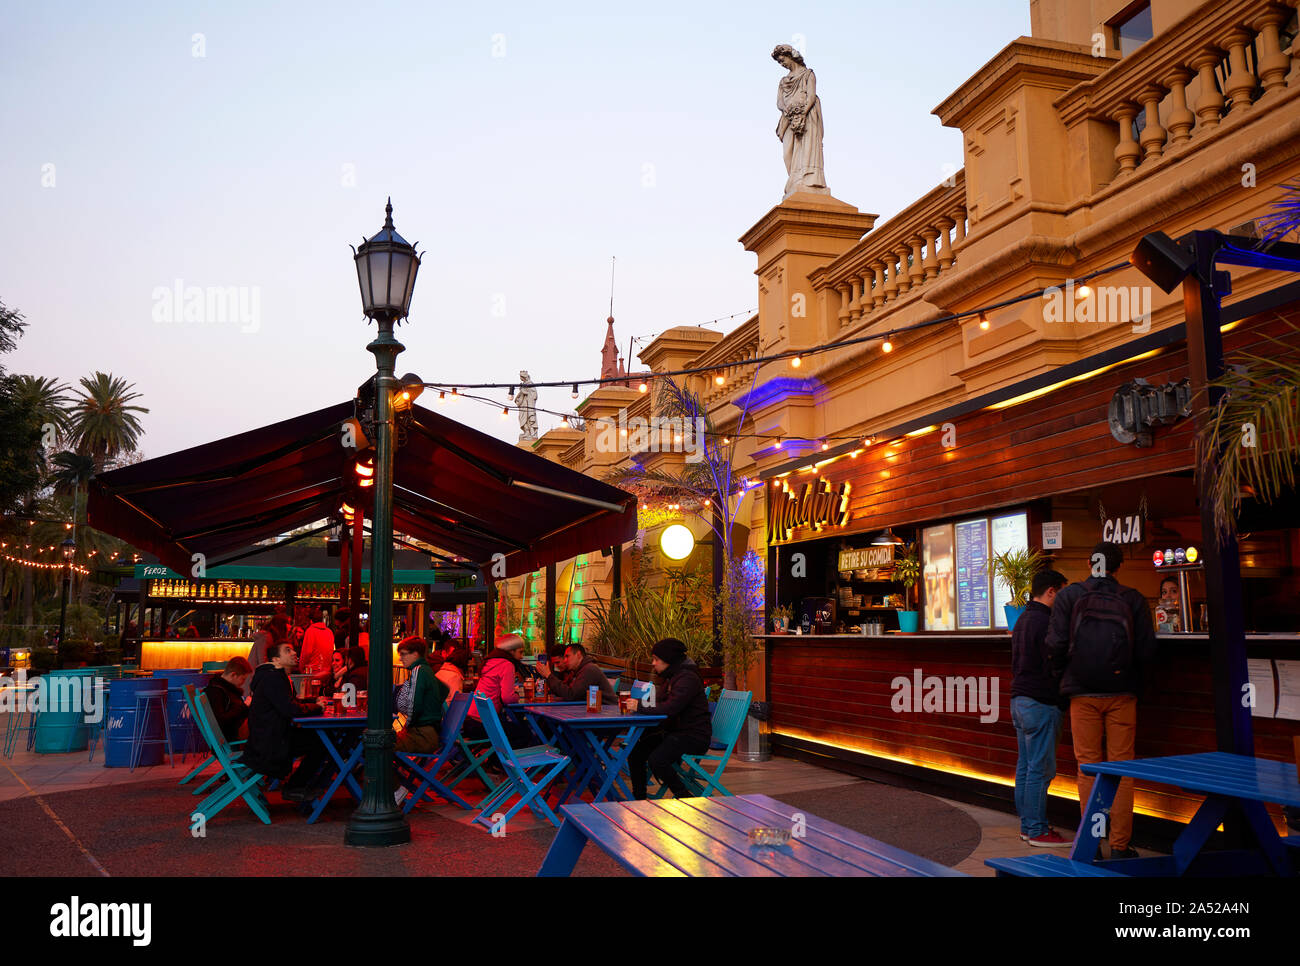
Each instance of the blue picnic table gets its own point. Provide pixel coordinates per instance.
(710, 837)
(599, 744)
(1229, 782)
(335, 731)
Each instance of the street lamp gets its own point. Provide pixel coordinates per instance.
(386, 269)
(69, 551)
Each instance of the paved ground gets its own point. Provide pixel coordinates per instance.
(65, 816)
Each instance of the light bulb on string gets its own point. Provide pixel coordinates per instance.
(643, 388)
(720, 379)
(796, 362)
(1084, 291)
(984, 321)
(574, 394)
(887, 346)
(505, 412)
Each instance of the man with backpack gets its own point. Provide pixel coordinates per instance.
(1102, 642)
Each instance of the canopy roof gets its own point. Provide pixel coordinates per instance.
(458, 489)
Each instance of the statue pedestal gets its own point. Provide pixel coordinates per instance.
(803, 233)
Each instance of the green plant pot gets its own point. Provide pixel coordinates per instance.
(1013, 614)
(908, 620)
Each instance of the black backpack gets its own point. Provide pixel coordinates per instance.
(1101, 640)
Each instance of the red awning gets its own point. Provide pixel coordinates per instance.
(461, 490)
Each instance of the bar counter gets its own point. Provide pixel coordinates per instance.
(839, 699)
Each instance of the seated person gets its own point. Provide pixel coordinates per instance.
(496, 682)
(452, 673)
(420, 698)
(356, 671)
(338, 671)
(226, 698)
(680, 695)
(576, 672)
(273, 741)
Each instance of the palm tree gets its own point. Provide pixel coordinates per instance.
(103, 424)
(45, 397)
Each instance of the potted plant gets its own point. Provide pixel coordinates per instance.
(781, 620)
(1016, 569)
(907, 571)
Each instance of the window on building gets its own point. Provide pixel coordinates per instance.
(1133, 30)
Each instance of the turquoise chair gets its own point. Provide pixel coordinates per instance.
(421, 778)
(728, 719)
(241, 781)
(210, 761)
(528, 773)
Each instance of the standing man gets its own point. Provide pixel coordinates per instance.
(1036, 712)
(1103, 642)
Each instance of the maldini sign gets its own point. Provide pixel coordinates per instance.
(816, 505)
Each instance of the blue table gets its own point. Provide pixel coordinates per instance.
(710, 837)
(332, 731)
(1229, 782)
(589, 740)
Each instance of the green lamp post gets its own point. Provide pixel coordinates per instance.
(386, 269)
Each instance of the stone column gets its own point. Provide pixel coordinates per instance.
(1240, 84)
(891, 286)
(916, 271)
(931, 263)
(878, 290)
(1273, 63)
(844, 304)
(945, 245)
(1153, 135)
(1127, 151)
(904, 271)
(1181, 120)
(1209, 104)
(855, 300)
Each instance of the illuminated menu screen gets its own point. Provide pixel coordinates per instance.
(937, 572)
(973, 574)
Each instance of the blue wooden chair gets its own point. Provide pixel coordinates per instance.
(528, 773)
(728, 719)
(423, 769)
(241, 781)
(472, 756)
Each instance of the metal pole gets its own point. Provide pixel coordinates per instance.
(63, 608)
(377, 820)
(358, 553)
(1223, 591)
(550, 607)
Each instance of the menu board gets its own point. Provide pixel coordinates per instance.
(973, 574)
(1009, 533)
(937, 572)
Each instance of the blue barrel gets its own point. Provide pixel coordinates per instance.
(61, 723)
(120, 725)
(186, 737)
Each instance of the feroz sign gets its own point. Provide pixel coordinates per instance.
(817, 504)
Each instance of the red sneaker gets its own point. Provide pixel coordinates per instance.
(1049, 841)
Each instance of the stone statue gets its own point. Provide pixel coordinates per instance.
(525, 401)
(800, 127)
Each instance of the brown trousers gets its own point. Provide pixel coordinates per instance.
(1114, 718)
(423, 740)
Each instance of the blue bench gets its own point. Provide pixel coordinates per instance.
(1049, 867)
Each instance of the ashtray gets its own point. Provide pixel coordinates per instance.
(769, 836)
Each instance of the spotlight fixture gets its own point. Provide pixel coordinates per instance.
(1162, 260)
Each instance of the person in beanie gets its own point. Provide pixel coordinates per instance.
(679, 695)
(497, 683)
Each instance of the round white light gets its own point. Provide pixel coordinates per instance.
(677, 542)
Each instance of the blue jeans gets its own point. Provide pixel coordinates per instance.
(1038, 726)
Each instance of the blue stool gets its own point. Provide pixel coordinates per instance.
(19, 722)
(145, 702)
(99, 729)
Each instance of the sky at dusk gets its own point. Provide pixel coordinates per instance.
(522, 145)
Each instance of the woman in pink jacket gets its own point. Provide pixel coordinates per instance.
(496, 682)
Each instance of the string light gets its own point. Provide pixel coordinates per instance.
(796, 362)
(643, 388)
(887, 346)
(720, 380)
(505, 412)
(42, 566)
(984, 321)
(1084, 291)
(574, 394)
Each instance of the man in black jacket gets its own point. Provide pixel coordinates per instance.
(1103, 643)
(580, 672)
(226, 696)
(273, 741)
(1036, 711)
(687, 729)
